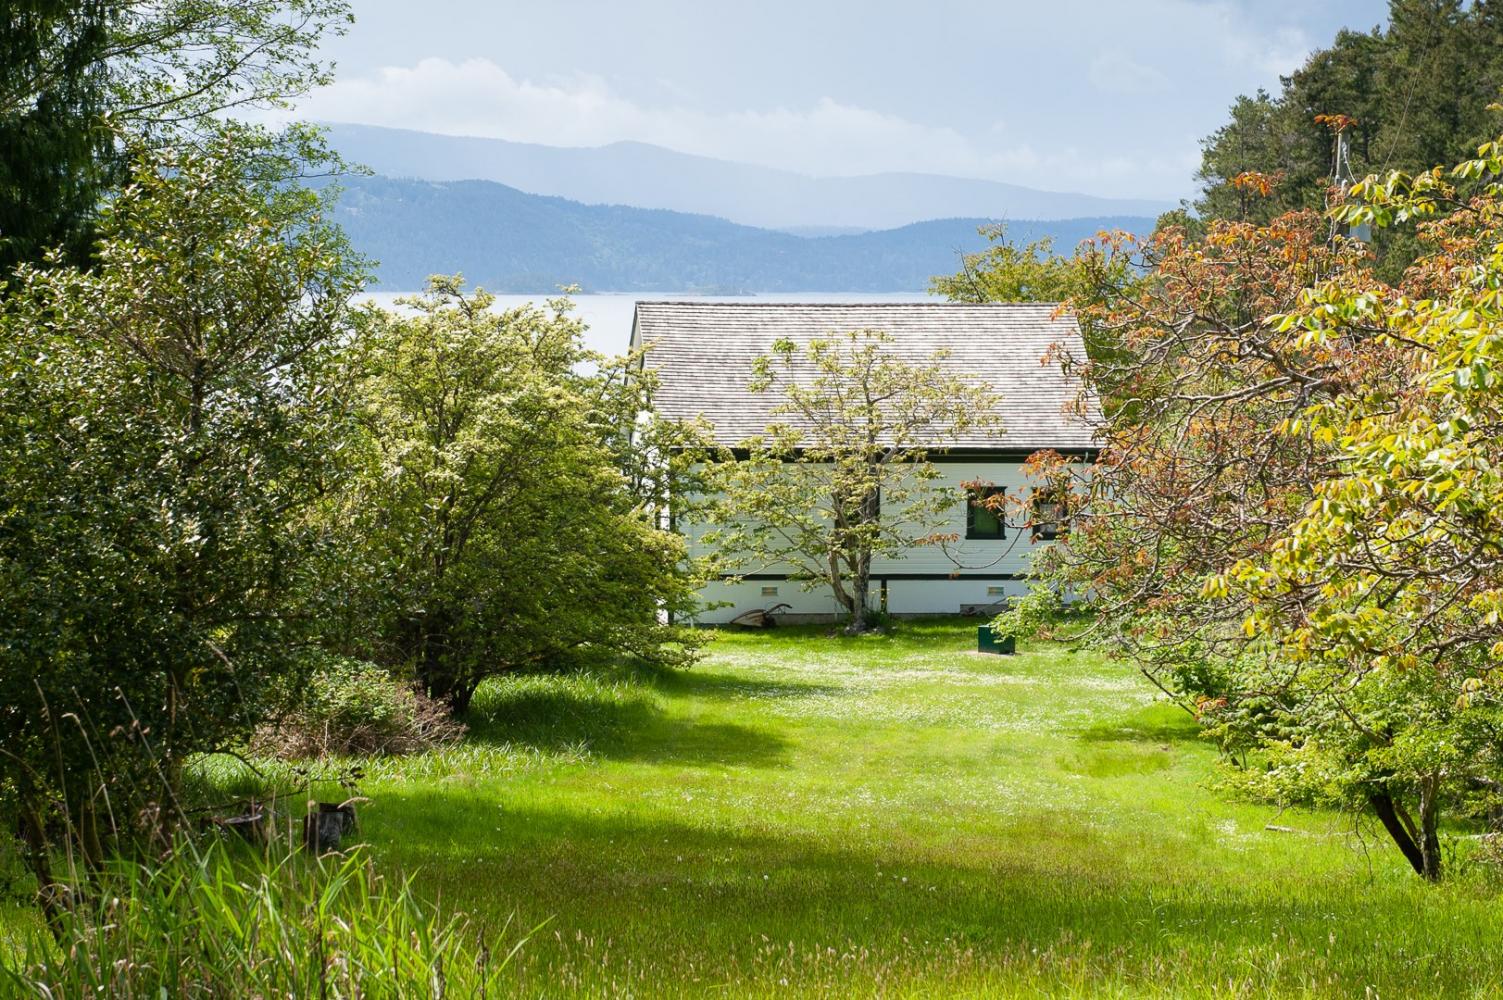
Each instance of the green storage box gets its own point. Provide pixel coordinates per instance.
(988, 641)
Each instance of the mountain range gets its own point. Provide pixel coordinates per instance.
(630, 217)
(646, 176)
(512, 241)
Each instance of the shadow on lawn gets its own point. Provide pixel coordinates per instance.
(614, 722)
(704, 894)
(699, 683)
(1158, 723)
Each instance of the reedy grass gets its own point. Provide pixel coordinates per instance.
(213, 921)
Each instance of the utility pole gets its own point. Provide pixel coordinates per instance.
(1342, 181)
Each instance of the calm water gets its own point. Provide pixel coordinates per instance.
(609, 316)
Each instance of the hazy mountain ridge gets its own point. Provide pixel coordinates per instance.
(511, 241)
(643, 175)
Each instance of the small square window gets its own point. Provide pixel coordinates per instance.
(996, 591)
(1050, 516)
(984, 520)
(769, 592)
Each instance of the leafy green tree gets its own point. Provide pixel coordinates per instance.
(1416, 90)
(845, 478)
(497, 525)
(55, 153)
(81, 84)
(169, 424)
(1384, 601)
(1006, 272)
(1292, 529)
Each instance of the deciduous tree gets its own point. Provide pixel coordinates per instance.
(845, 478)
(169, 421)
(1383, 601)
(1292, 527)
(1006, 272)
(496, 526)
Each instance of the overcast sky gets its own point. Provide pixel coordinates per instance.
(1102, 96)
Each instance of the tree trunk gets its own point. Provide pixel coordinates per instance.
(435, 674)
(1430, 830)
(1426, 863)
(37, 855)
(442, 685)
(860, 595)
(459, 698)
(859, 608)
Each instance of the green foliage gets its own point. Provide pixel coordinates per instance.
(1292, 530)
(1006, 272)
(846, 478)
(168, 423)
(495, 525)
(217, 922)
(1383, 599)
(55, 154)
(82, 83)
(1033, 614)
(351, 707)
(1417, 90)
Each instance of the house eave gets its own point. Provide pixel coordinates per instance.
(1010, 453)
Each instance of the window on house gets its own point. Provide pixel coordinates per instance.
(1050, 516)
(982, 519)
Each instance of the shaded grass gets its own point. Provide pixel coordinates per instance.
(898, 815)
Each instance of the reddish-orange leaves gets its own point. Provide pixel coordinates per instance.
(1260, 183)
(1336, 123)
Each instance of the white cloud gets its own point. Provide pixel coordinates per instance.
(1090, 95)
(1286, 52)
(1115, 73)
(478, 97)
(1269, 50)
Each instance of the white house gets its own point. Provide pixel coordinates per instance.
(703, 353)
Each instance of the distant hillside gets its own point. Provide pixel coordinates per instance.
(510, 241)
(632, 173)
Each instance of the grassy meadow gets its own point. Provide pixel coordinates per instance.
(899, 816)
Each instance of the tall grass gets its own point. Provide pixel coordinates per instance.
(217, 922)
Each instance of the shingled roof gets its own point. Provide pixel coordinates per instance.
(703, 353)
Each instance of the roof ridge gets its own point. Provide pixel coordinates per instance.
(849, 305)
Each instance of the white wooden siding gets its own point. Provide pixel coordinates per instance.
(959, 567)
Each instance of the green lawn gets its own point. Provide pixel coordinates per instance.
(901, 816)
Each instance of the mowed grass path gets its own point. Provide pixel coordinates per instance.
(804, 815)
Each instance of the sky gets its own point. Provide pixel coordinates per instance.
(1108, 97)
